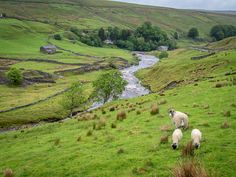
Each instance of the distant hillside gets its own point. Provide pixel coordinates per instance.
(227, 43)
(96, 13)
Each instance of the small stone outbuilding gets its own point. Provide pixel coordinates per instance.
(162, 48)
(48, 49)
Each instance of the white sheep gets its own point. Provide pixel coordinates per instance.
(176, 137)
(196, 136)
(179, 119)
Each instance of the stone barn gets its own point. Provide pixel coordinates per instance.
(48, 49)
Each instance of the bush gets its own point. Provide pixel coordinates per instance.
(193, 33)
(4, 15)
(57, 37)
(163, 54)
(15, 76)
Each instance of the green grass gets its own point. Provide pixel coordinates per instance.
(138, 136)
(227, 43)
(42, 66)
(50, 109)
(88, 14)
(180, 67)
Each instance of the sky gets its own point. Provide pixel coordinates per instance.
(189, 4)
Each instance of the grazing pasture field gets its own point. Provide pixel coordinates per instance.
(132, 147)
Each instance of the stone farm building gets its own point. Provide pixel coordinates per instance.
(48, 49)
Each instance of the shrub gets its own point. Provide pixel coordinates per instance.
(121, 115)
(15, 76)
(164, 139)
(57, 37)
(188, 150)
(163, 54)
(189, 169)
(8, 173)
(4, 15)
(154, 110)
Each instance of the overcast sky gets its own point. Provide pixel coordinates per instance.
(190, 4)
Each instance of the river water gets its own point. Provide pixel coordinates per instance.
(134, 87)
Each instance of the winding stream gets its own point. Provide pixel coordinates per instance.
(134, 87)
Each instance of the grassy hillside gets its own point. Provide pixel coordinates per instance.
(75, 148)
(227, 43)
(180, 69)
(96, 13)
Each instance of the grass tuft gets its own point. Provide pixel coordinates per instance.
(165, 128)
(8, 173)
(121, 115)
(154, 110)
(162, 101)
(225, 125)
(227, 113)
(113, 125)
(189, 169)
(120, 151)
(57, 141)
(164, 139)
(89, 133)
(188, 150)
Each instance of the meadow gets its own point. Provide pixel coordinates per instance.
(101, 142)
(79, 147)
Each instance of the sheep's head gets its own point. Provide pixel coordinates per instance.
(174, 145)
(171, 112)
(196, 145)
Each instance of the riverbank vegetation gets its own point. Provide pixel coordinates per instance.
(146, 37)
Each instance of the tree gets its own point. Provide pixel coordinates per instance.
(15, 76)
(193, 33)
(102, 34)
(74, 97)
(219, 32)
(57, 36)
(108, 86)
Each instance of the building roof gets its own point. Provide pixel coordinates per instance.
(49, 47)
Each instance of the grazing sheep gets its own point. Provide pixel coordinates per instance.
(176, 137)
(196, 136)
(179, 119)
